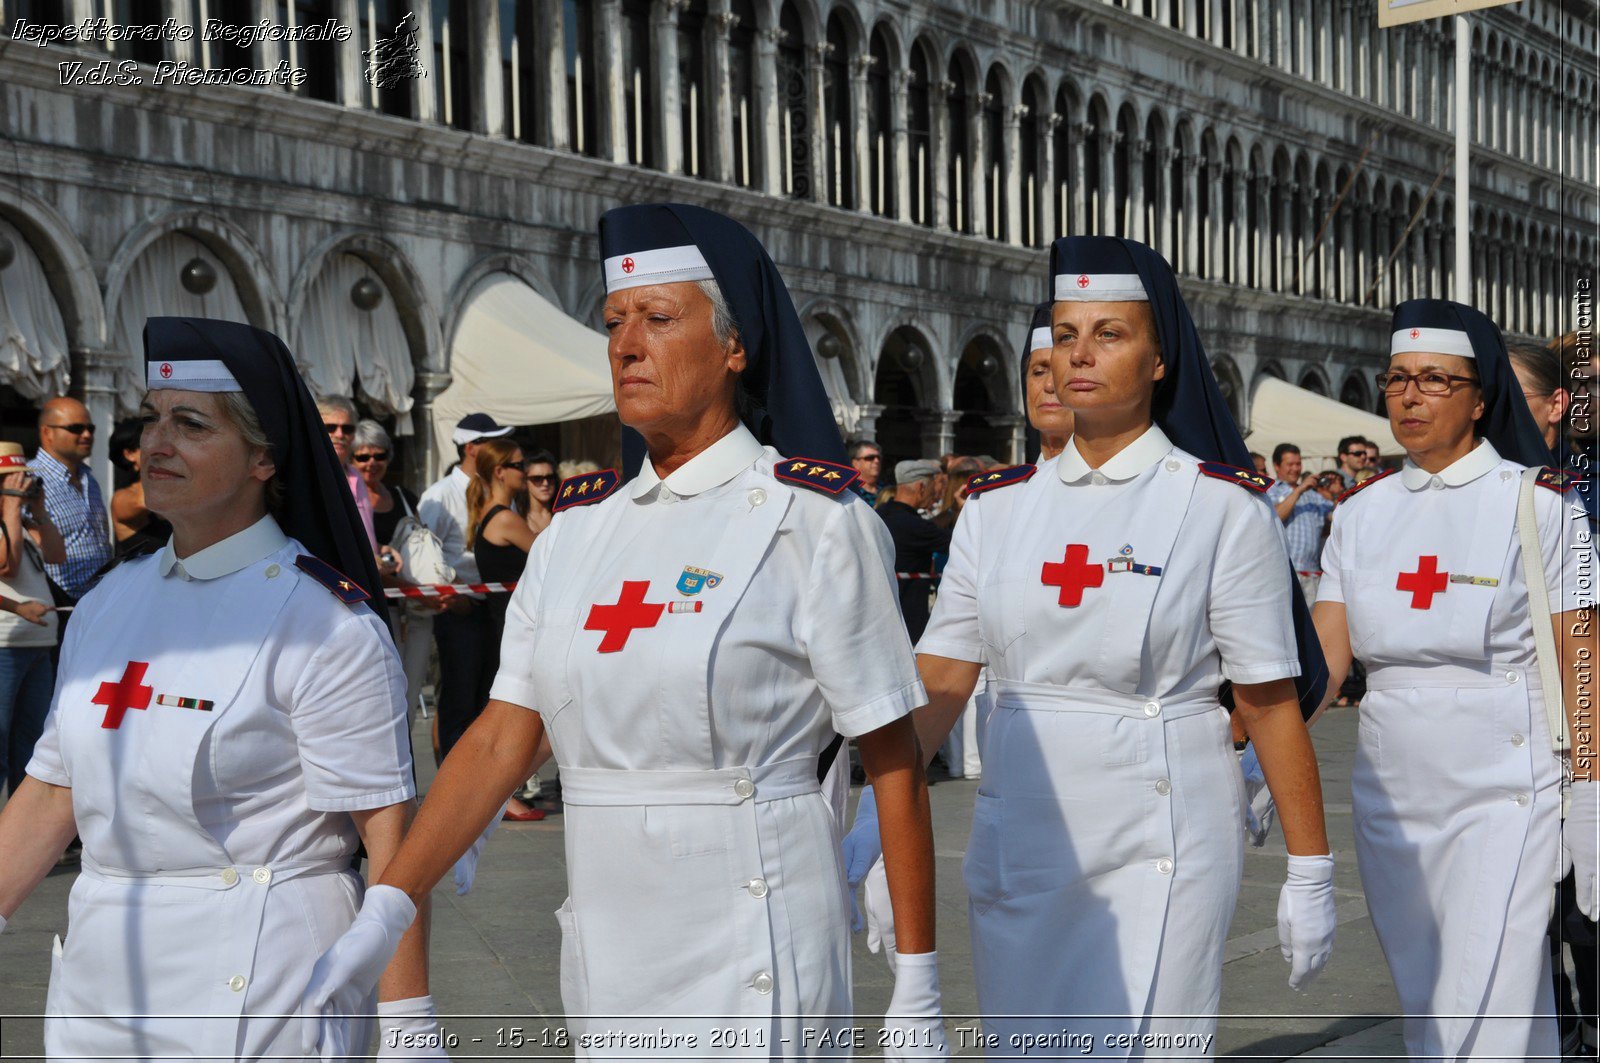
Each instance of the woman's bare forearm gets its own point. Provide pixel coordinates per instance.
(36, 826)
(381, 832)
(893, 762)
(949, 684)
(1271, 714)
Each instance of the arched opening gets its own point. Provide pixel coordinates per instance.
(1031, 133)
(637, 63)
(319, 59)
(978, 396)
(35, 349)
(1231, 384)
(694, 97)
(994, 155)
(838, 116)
(577, 30)
(521, 70)
(1312, 381)
(741, 85)
(919, 135)
(897, 388)
(959, 123)
(1355, 393)
(793, 85)
(881, 191)
(1068, 183)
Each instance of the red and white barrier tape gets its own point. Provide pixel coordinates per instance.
(450, 590)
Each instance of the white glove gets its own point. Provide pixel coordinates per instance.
(880, 913)
(1306, 917)
(409, 1029)
(861, 846)
(2, 924)
(914, 1026)
(1259, 810)
(344, 977)
(1581, 833)
(466, 869)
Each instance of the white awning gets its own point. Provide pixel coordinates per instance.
(1283, 413)
(520, 359)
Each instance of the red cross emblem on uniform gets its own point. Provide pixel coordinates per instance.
(166, 370)
(1073, 574)
(129, 692)
(627, 265)
(620, 620)
(1083, 280)
(1424, 583)
(1416, 334)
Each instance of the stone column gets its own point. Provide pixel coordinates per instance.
(1136, 153)
(1046, 198)
(1015, 425)
(350, 73)
(978, 166)
(723, 136)
(767, 120)
(861, 143)
(429, 386)
(938, 431)
(899, 116)
(97, 389)
(1163, 13)
(488, 81)
(1107, 146)
(1239, 249)
(1079, 224)
(1264, 263)
(1191, 18)
(822, 177)
(1190, 221)
(1013, 175)
(1305, 259)
(939, 106)
(611, 82)
(267, 53)
(1346, 222)
(867, 422)
(668, 85)
(1214, 229)
(552, 44)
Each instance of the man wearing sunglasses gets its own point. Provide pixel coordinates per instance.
(72, 495)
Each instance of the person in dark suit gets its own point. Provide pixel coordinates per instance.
(916, 539)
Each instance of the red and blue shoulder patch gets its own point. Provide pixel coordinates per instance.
(822, 476)
(1559, 480)
(343, 587)
(585, 490)
(1248, 478)
(980, 482)
(1363, 485)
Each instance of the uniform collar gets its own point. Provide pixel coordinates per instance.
(239, 550)
(1127, 463)
(712, 467)
(1465, 469)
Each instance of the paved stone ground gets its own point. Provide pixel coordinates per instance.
(496, 952)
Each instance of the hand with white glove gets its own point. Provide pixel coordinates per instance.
(345, 976)
(1259, 810)
(860, 848)
(2, 924)
(409, 1029)
(466, 869)
(914, 1026)
(1581, 834)
(1306, 918)
(880, 913)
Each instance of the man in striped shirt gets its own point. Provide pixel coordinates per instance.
(66, 436)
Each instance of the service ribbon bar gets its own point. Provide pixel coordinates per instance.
(198, 704)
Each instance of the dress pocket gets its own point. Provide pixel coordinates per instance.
(574, 979)
(980, 869)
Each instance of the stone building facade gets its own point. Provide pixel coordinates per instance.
(906, 162)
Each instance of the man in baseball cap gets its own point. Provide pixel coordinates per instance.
(474, 428)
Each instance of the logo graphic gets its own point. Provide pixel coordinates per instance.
(392, 60)
(627, 265)
(694, 580)
(1083, 280)
(1416, 334)
(166, 370)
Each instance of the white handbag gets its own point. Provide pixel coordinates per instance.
(421, 552)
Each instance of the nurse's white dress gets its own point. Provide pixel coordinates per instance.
(217, 719)
(1456, 790)
(1105, 854)
(692, 645)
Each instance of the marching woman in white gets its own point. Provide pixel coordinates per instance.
(1112, 592)
(228, 725)
(1457, 781)
(693, 640)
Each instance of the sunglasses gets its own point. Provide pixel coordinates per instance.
(870, 457)
(546, 479)
(511, 465)
(376, 455)
(74, 429)
(339, 429)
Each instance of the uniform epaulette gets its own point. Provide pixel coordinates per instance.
(822, 476)
(1364, 484)
(1556, 479)
(1219, 470)
(980, 482)
(343, 587)
(585, 489)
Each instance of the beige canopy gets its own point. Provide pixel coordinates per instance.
(1283, 413)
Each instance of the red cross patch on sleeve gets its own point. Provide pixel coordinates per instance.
(586, 489)
(1233, 474)
(822, 476)
(980, 482)
(1559, 480)
(343, 587)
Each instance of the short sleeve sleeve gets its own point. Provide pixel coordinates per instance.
(952, 630)
(349, 721)
(1566, 538)
(852, 630)
(1330, 588)
(1249, 611)
(48, 763)
(513, 683)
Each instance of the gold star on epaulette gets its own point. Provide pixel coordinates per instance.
(344, 584)
(583, 488)
(815, 470)
(567, 491)
(831, 476)
(797, 466)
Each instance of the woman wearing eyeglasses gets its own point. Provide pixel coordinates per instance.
(339, 421)
(540, 470)
(1457, 789)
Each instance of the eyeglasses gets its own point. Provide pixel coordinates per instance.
(339, 429)
(72, 429)
(546, 479)
(376, 455)
(870, 457)
(517, 465)
(1427, 383)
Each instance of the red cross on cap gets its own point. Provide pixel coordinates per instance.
(1416, 334)
(1083, 280)
(627, 265)
(166, 370)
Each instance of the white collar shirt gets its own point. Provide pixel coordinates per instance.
(443, 508)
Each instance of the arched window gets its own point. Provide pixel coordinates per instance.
(577, 27)
(741, 85)
(919, 137)
(318, 58)
(838, 140)
(960, 124)
(793, 85)
(1068, 181)
(694, 102)
(638, 82)
(520, 70)
(1031, 139)
(880, 198)
(452, 65)
(137, 13)
(994, 155)
(228, 53)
